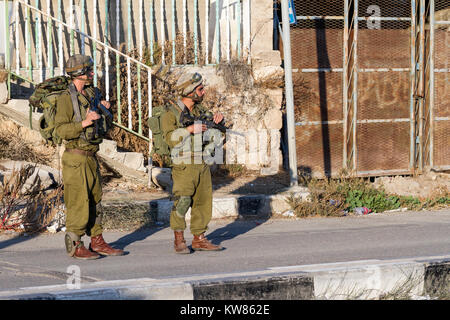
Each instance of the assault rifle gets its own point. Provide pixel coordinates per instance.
(186, 119)
(100, 109)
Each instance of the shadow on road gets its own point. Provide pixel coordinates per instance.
(135, 236)
(15, 240)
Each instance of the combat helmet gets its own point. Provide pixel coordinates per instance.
(78, 65)
(188, 82)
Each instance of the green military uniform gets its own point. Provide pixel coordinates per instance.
(192, 186)
(81, 175)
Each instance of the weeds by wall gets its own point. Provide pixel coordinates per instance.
(340, 196)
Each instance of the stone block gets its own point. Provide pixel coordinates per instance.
(134, 160)
(108, 148)
(225, 207)
(273, 119)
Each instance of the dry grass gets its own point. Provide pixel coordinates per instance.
(13, 147)
(237, 75)
(25, 206)
(126, 216)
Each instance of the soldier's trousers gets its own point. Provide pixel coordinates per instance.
(192, 187)
(82, 193)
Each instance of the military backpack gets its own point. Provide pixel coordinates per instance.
(44, 97)
(160, 149)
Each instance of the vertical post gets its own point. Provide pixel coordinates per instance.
(247, 28)
(218, 31)
(130, 122)
(289, 93)
(60, 41)
(227, 29)
(94, 51)
(106, 40)
(421, 80)
(119, 107)
(173, 33)
(38, 51)
(71, 24)
(141, 41)
(50, 41)
(345, 84)
(7, 48)
(195, 32)
(6, 15)
(412, 79)
(129, 26)
(238, 20)
(206, 32)
(17, 47)
(355, 82)
(431, 68)
(151, 31)
(83, 19)
(184, 31)
(150, 133)
(163, 34)
(28, 41)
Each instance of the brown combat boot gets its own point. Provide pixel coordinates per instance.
(99, 245)
(179, 243)
(82, 253)
(200, 243)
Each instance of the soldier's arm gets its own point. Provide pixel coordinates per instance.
(65, 126)
(168, 127)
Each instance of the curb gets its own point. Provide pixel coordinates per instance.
(235, 206)
(426, 277)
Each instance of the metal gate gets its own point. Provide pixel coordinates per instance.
(371, 86)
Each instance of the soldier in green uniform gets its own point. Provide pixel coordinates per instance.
(191, 177)
(75, 124)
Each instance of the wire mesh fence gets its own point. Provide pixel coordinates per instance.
(441, 152)
(362, 71)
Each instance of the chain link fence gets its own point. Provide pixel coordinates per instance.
(367, 123)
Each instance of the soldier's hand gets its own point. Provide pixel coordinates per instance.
(218, 117)
(196, 128)
(90, 118)
(106, 104)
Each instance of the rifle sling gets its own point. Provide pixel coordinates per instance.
(76, 107)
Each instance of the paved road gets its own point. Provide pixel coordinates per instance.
(249, 245)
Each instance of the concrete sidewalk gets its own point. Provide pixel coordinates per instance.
(419, 278)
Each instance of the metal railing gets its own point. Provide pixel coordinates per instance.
(35, 24)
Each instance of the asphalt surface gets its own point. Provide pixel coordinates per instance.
(29, 261)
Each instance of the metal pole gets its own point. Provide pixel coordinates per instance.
(355, 83)
(431, 68)
(421, 88)
(289, 93)
(345, 84)
(412, 146)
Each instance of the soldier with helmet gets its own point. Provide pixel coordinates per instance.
(78, 126)
(192, 186)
